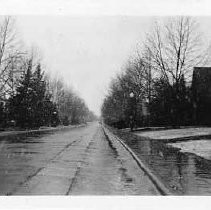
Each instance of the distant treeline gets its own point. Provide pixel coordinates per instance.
(30, 98)
(155, 87)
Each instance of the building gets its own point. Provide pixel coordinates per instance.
(201, 89)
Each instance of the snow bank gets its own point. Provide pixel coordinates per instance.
(175, 133)
(199, 147)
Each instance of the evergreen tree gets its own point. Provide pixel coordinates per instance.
(2, 115)
(39, 88)
(31, 106)
(20, 105)
(171, 104)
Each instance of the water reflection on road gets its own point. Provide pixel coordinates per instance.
(17, 159)
(185, 169)
(183, 172)
(79, 161)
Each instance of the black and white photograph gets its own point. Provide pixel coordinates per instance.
(105, 99)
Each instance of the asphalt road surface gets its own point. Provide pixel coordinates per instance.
(75, 161)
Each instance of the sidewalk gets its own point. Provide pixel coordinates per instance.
(150, 178)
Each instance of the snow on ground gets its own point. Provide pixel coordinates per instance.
(175, 133)
(199, 147)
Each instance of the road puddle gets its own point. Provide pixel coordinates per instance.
(184, 167)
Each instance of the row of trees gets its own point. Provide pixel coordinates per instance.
(155, 86)
(71, 108)
(31, 105)
(30, 98)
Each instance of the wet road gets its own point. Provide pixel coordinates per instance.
(184, 166)
(78, 161)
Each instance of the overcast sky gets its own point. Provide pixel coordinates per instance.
(88, 51)
(88, 41)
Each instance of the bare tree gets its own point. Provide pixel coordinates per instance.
(11, 59)
(175, 48)
(157, 77)
(70, 106)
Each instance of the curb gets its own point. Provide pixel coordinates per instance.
(158, 184)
